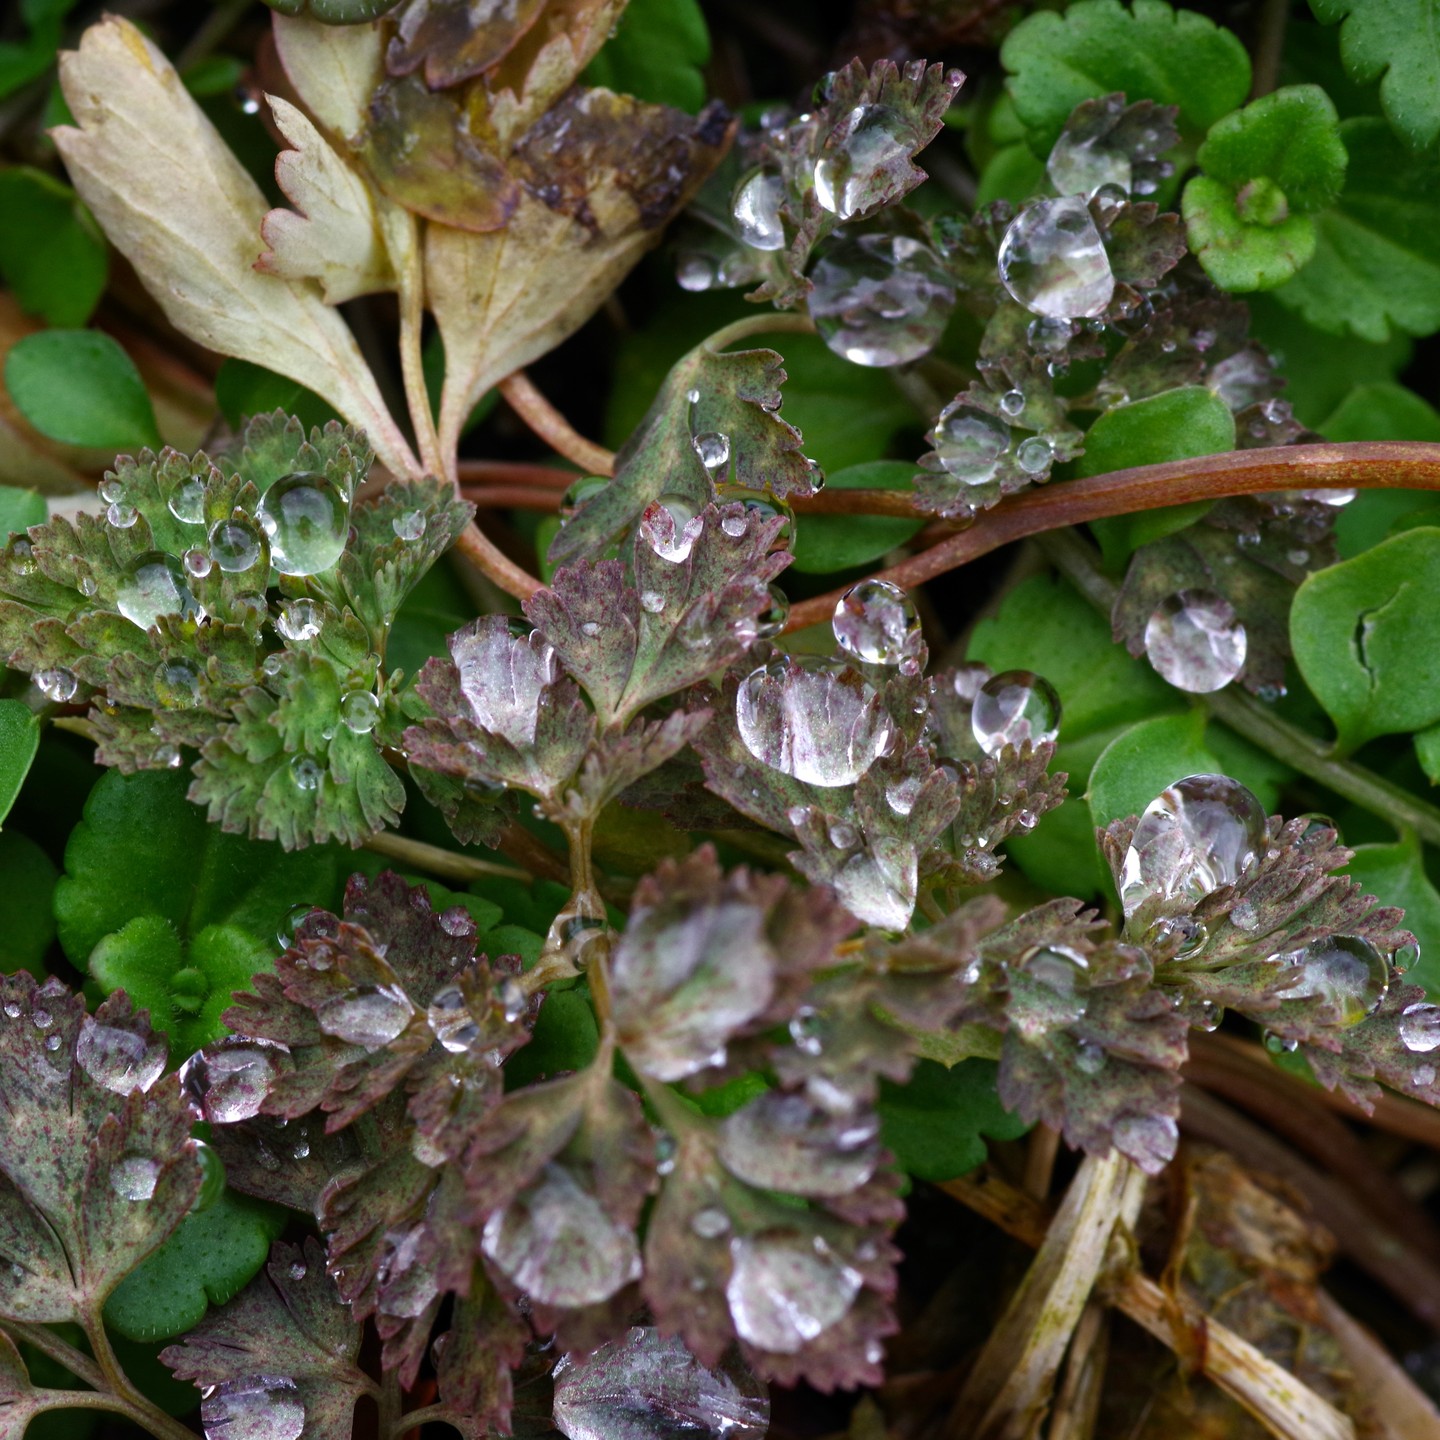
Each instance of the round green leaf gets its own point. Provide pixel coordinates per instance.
(1176, 425)
(1238, 255)
(1363, 633)
(657, 53)
(19, 739)
(1395, 875)
(26, 925)
(52, 256)
(824, 543)
(80, 387)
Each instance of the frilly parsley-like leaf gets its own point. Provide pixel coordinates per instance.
(98, 1161)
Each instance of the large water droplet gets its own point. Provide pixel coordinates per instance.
(671, 525)
(862, 167)
(650, 1387)
(1053, 261)
(154, 585)
(306, 518)
(782, 1142)
(756, 208)
(783, 1291)
(259, 1407)
(1013, 707)
(880, 299)
(177, 685)
(187, 501)
(821, 727)
(235, 545)
(116, 1059)
(133, 1177)
(969, 442)
(503, 677)
(1081, 166)
(558, 1245)
(1420, 1028)
(714, 452)
(1149, 1140)
(409, 526)
(876, 622)
(1195, 641)
(359, 711)
(228, 1082)
(368, 1015)
(58, 684)
(1345, 972)
(1195, 836)
(451, 1020)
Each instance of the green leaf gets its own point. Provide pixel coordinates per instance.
(1363, 632)
(20, 509)
(1099, 684)
(22, 61)
(1150, 52)
(51, 254)
(1139, 763)
(1395, 875)
(1398, 43)
(1239, 255)
(80, 387)
(936, 1123)
(824, 543)
(214, 1254)
(19, 740)
(26, 924)
(177, 913)
(243, 390)
(657, 53)
(1013, 174)
(1377, 257)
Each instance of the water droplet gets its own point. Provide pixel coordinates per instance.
(359, 711)
(58, 684)
(235, 545)
(305, 773)
(1195, 641)
(710, 1223)
(259, 1407)
(807, 1031)
(450, 1018)
(821, 727)
(154, 585)
(1149, 1140)
(248, 609)
(306, 519)
(12, 1010)
(229, 1082)
(652, 602)
(177, 685)
(1081, 166)
(1089, 1058)
(457, 922)
(1348, 974)
(52, 1043)
(865, 160)
(583, 489)
(187, 501)
(133, 1177)
(670, 526)
(648, 1387)
(1057, 967)
(902, 794)
(756, 208)
(784, 1142)
(880, 299)
(1053, 261)
(1420, 1028)
(1422, 1077)
(368, 1015)
(558, 1245)
(1195, 836)
(197, 563)
(1013, 707)
(1034, 455)
(714, 452)
(969, 442)
(299, 620)
(876, 622)
(121, 515)
(784, 1293)
(116, 1059)
(527, 664)
(409, 526)
(512, 997)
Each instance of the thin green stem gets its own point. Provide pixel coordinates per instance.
(390, 1402)
(1076, 560)
(429, 1415)
(1269, 46)
(767, 323)
(436, 861)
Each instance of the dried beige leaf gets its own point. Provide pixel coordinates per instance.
(180, 207)
(334, 69)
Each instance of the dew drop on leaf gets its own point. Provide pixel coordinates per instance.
(876, 622)
(121, 515)
(234, 545)
(1196, 835)
(359, 711)
(969, 442)
(1347, 974)
(784, 1142)
(177, 685)
(368, 1015)
(119, 1060)
(1014, 707)
(1420, 1028)
(1081, 166)
(299, 620)
(409, 526)
(1149, 1140)
(258, 1407)
(853, 174)
(306, 519)
(710, 1222)
(1053, 261)
(154, 585)
(197, 563)
(880, 299)
(21, 556)
(187, 501)
(133, 1177)
(228, 1082)
(756, 208)
(1195, 641)
(1034, 455)
(713, 449)
(450, 1018)
(784, 1291)
(671, 525)
(58, 684)
(305, 773)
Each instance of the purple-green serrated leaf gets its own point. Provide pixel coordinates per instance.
(1194, 336)
(617, 761)
(683, 619)
(474, 818)
(1381, 1047)
(705, 957)
(475, 1360)
(19, 1400)
(737, 401)
(1142, 243)
(97, 1160)
(284, 1350)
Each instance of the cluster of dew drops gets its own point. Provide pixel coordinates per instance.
(884, 299)
(300, 527)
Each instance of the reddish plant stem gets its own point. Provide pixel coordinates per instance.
(511, 497)
(494, 564)
(552, 427)
(514, 472)
(1364, 464)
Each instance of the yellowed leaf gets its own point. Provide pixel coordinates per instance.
(334, 69)
(175, 201)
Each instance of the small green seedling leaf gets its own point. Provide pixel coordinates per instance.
(214, 1254)
(1362, 633)
(1150, 52)
(52, 256)
(824, 543)
(80, 387)
(936, 1123)
(19, 740)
